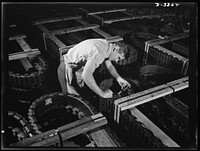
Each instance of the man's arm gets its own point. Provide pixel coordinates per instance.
(89, 79)
(122, 82)
(112, 69)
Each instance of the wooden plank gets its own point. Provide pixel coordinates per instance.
(36, 138)
(81, 28)
(25, 47)
(134, 96)
(79, 122)
(73, 29)
(55, 19)
(166, 140)
(97, 18)
(148, 95)
(183, 79)
(20, 55)
(60, 44)
(109, 21)
(142, 93)
(102, 139)
(114, 39)
(180, 86)
(19, 36)
(43, 29)
(84, 128)
(67, 131)
(185, 70)
(82, 11)
(86, 12)
(142, 100)
(115, 10)
(169, 39)
(99, 31)
(26, 64)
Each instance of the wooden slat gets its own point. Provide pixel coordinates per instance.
(106, 11)
(99, 31)
(175, 82)
(25, 47)
(84, 128)
(109, 21)
(180, 86)
(73, 29)
(36, 138)
(134, 96)
(60, 44)
(26, 64)
(142, 100)
(79, 122)
(81, 28)
(67, 131)
(73, 132)
(102, 139)
(166, 40)
(114, 39)
(17, 37)
(20, 55)
(185, 70)
(82, 10)
(43, 29)
(166, 140)
(149, 95)
(115, 10)
(55, 19)
(98, 17)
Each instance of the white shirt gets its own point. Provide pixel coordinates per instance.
(94, 49)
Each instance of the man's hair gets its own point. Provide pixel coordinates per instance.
(123, 48)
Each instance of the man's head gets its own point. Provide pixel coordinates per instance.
(119, 52)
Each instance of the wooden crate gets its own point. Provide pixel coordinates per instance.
(115, 108)
(91, 123)
(108, 16)
(22, 59)
(58, 42)
(168, 57)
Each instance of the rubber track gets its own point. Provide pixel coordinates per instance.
(33, 80)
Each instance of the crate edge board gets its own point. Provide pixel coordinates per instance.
(155, 129)
(171, 87)
(20, 55)
(106, 141)
(54, 19)
(99, 119)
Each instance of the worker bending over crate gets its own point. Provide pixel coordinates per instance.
(75, 72)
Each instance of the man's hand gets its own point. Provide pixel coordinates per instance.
(107, 93)
(123, 83)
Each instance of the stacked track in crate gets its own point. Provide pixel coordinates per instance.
(27, 67)
(119, 111)
(65, 120)
(157, 49)
(62, 33)
(108, 16)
